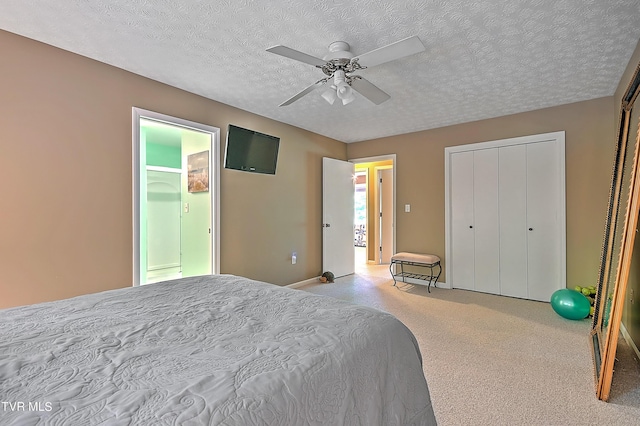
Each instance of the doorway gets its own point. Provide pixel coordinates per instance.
(360, 216)
(176, 224)
(374, 240)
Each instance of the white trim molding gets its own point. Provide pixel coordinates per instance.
(629, 340)
(164, 169)
(299, 284)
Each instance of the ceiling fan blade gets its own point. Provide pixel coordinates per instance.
(393, 51)
(290, 53)
(368, 90)
(309, 89)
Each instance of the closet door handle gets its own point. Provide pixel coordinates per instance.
(530, 229)
(470, 226)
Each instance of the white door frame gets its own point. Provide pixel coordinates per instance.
(214, 182)
(391, 157)
(378, 173)
(559, 138)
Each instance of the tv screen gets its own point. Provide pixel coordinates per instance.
(251, 151)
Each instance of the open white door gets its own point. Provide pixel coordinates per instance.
(338, 191)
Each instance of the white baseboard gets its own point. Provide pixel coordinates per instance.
(305, 282)
(316, 280)
(630, 341)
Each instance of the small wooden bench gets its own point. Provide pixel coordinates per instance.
(416, 259)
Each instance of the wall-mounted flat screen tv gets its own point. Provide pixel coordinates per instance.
(251, 151)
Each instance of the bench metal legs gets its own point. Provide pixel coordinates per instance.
(429, 278)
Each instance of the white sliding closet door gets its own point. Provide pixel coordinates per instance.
(513, 221)
(462, 265)
(505, 216)
(486, 223)
(542, 219)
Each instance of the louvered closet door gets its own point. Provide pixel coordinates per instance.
(462, 232)
(486, 221)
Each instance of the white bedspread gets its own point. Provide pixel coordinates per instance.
(219, 350)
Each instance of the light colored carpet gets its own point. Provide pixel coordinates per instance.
(493, 360)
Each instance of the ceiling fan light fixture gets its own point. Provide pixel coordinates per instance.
(344, 92)
(330, 95)
(348, 100)
(340, 61)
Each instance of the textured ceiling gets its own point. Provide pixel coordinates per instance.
(483, 58)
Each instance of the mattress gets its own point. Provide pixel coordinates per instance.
(214, 350)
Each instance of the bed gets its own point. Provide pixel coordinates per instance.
(214, 350)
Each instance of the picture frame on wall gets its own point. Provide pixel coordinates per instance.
(198, 172)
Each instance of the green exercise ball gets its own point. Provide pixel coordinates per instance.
(570, 304)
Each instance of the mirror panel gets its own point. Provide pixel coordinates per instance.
(619, 236)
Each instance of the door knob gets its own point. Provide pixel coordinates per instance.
(470, 226)
(530, 229)
(326, 225)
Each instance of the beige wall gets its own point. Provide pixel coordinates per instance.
(65, 168)
(589, 158)
(65, 173)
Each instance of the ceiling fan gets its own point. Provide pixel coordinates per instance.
(339, 65)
